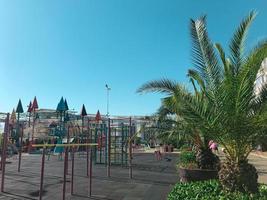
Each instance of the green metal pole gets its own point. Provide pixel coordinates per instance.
(115, 146)
(130, 150)
(17, 127)
(122, 143)
(87, 149)
(82, 128)
(20, 147)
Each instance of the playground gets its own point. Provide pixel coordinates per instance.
(61, 154)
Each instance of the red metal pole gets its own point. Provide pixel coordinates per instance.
(65, 173)
(29, 119)
(32, 141)
(21, 145)
(72, 170)
(29, 144)
(42, 175)
(91, 171)
(33, 124)
(68, 141)
(3, 158)
(109, 147)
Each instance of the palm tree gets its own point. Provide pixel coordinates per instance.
(172, 104)
(223, 105)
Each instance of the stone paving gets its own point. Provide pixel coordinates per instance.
(260, 162)
(152, 179)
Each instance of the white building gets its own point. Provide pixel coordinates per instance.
(261, 77)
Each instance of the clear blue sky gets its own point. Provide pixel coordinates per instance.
(72, 48)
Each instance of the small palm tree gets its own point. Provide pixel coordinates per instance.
(223, 105)
(204, 157)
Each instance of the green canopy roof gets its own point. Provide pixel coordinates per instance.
(61, 106)
(19, 107)
(83, 112)
(66, 105)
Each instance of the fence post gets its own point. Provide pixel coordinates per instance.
(109, 147)
(3, 158)
(21, 145)
(130, 151)
(42, 174)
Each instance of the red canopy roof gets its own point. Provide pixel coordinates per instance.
(98, 116)
(30, 107)
(35, 104)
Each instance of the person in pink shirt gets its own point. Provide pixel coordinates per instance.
(213, 146)
(210, 142)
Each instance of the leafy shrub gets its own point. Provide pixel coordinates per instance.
(187, 159)
(208, 190)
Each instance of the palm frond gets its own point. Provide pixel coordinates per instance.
(193, 74)
(172, 103)
(163, 112)
(196, 111)
(237, 42)
(247, 77)
(203, 54)
(161, 86)
(253, 61)
(224, 60)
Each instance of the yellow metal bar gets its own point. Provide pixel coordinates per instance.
(64, 145)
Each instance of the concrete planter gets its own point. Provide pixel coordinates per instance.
(187, 175)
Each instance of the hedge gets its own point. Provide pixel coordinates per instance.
(209, 190)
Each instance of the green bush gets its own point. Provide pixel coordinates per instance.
(209, 190)
(187, 159)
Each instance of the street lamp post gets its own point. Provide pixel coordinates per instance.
(108, 89)
(108, 134)
(35, 116)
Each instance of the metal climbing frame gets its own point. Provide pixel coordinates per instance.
(112, 136)
(119, 132)
(119, 144)
(99, 135)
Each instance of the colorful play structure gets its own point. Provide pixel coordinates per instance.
(104, 140)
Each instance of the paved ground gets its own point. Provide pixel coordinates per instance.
(259, 160)
(152, 179)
